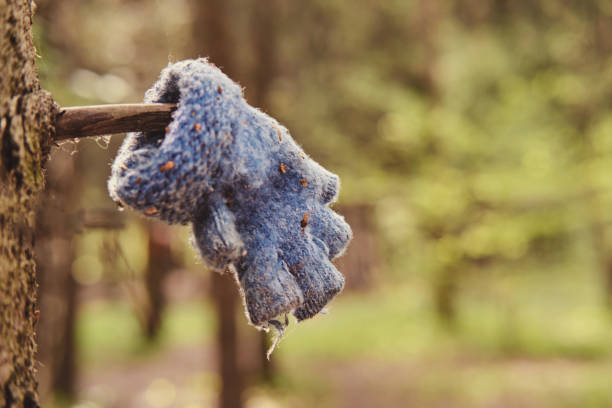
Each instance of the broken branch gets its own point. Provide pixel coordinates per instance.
(85, 121)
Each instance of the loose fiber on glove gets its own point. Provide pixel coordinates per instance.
(257, 204)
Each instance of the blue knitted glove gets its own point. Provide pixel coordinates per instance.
(256, 202)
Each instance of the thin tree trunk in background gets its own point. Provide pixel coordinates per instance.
(427, 26)
(213, 36)
(361, 259)
(158, 267)
(601, 243)
(446, 291)
(66, 373)
(223, 291)
(25, 132)
(55, 253)
(264, 30)
(599, 229)
(608, 279)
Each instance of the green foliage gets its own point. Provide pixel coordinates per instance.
(479, 129)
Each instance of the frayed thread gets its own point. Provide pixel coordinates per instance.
(280, 331)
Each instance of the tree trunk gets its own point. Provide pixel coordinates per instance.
(26, 114)
(445, 296)
(223, 291)
(264, 27)
(158, 266)
(214, 39)
(361, 261)
(55, 253)
(212, 36)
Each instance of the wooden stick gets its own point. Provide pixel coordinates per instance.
(85, 121)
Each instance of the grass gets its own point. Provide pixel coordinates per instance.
(384, 324)
(110, 331)
(521, 340)
(398, 321)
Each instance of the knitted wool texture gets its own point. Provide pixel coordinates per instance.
(257, 204)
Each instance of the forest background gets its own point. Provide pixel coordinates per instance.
(474, 143)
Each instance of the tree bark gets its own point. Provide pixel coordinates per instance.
(26, 114)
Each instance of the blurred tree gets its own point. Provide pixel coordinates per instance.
(25, 133)
(55, 227)
(361, 260)
(159, 264)
(213, 33)
(264, 27)
(223, 293)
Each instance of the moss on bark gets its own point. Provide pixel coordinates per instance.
(26, 114)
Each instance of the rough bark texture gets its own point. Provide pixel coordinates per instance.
(25, 131)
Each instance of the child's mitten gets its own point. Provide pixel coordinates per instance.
(256, 202)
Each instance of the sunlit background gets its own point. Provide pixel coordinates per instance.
(474, 143)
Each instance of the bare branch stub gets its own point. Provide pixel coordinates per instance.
(85, 121)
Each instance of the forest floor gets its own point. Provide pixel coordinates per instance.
(382, 349)
(184, 377)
